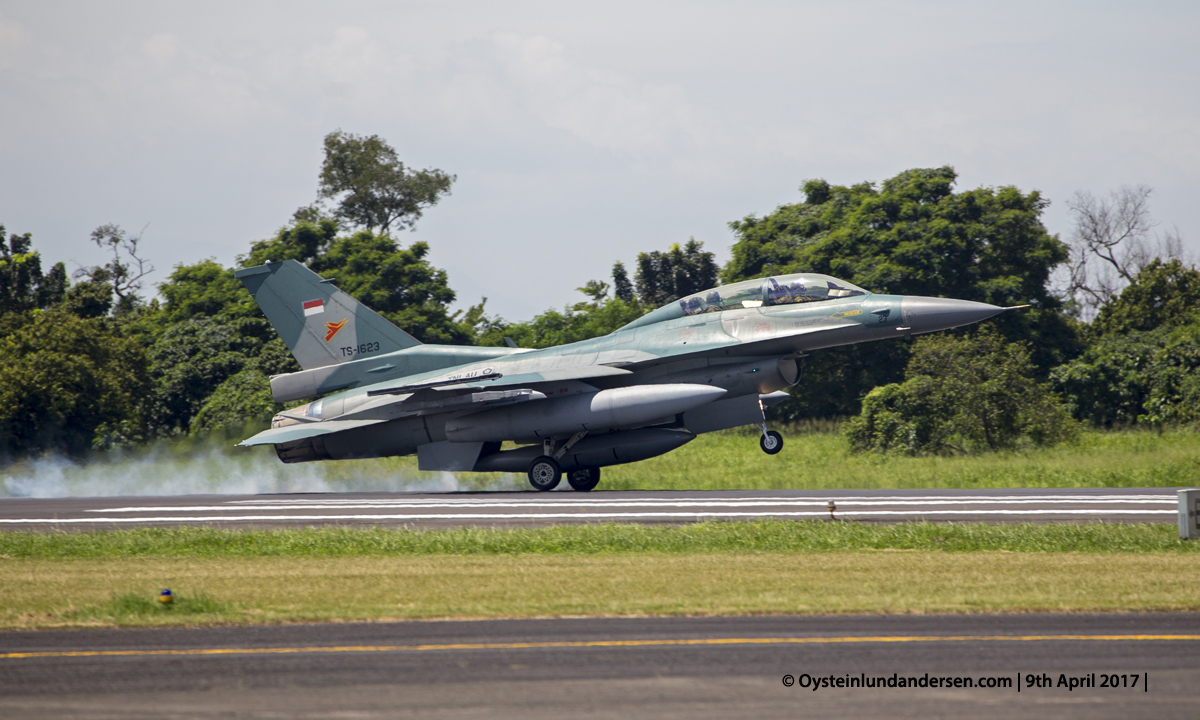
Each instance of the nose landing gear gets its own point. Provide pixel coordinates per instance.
(771, 442)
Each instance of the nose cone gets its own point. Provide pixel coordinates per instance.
(927, 314)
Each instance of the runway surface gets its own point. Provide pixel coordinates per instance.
(505, 509)
(649, 667)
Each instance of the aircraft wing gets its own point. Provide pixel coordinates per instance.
(274, 436)
(496, 380)
(434, 396)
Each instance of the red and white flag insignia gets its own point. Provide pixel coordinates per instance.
(314, 307)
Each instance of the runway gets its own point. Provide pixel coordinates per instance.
(648, 667)
(522, 509)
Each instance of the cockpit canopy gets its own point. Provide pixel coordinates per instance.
(778, 290)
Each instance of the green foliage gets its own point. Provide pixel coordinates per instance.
(581, 321)
(398, 283)
(243, 398)
(123, 274)
(204, 289)
(89, 299)
(195, 357)
(145, 605)
(1136, 377)
(703, 537)
(373, 188)
(622, 288)
(65, 378)
(962, 394)
(664, 277)
(912, 236)
(23, 284)
(1163, 293)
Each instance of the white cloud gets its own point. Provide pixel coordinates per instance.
(13, 38)
(354, 64)
(600, 107)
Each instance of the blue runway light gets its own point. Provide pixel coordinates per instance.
(166, 597)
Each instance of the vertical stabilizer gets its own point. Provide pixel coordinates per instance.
(320, 324)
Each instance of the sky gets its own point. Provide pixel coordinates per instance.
(580, 133)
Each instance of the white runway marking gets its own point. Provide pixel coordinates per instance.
(575, 516)
(258, 505)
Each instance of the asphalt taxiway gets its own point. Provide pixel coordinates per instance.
(614, 667)
(515, 509)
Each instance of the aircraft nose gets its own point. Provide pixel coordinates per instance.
(927, 314)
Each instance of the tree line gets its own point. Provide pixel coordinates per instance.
(89, 362)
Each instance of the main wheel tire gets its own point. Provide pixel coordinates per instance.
(544, 473)
(771, 443)
(584, 480)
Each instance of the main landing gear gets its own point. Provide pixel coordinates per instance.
(584, 479)
(545, 473)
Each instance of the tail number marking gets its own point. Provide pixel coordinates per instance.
(364, 348)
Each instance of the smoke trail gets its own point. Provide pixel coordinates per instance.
(163, 469)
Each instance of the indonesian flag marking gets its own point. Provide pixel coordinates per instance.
(314, 307)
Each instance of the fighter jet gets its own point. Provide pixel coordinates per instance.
(709, 361)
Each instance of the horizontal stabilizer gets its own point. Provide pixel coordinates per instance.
(275, 436)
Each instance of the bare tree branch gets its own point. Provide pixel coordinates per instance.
(1112, 241)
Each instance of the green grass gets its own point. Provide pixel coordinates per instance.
(816, 456)
(705, 537)
(37, 593)
(142, 608)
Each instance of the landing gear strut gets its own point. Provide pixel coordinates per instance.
(771, 442)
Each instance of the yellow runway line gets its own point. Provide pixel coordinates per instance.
(590, 644)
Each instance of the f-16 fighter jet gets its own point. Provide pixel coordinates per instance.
(713, 360)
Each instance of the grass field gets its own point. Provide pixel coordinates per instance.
(818, 457)
(765, 567)
(705, 537)
(105, 592)
(229, 577)
(815, 456)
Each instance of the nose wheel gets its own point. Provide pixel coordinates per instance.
(771, 442)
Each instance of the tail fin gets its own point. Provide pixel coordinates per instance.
(320, 324)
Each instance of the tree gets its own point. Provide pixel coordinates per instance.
(622, 288)
(372, 187)
(1136, 377)
(581, 321)
(1161, 293)
(962, 395)
(124, 272)
(241, 399)
(664, 277)
(398, 283)
(63, 379)
(1112, 242)
(23, 284)
(911, 236)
